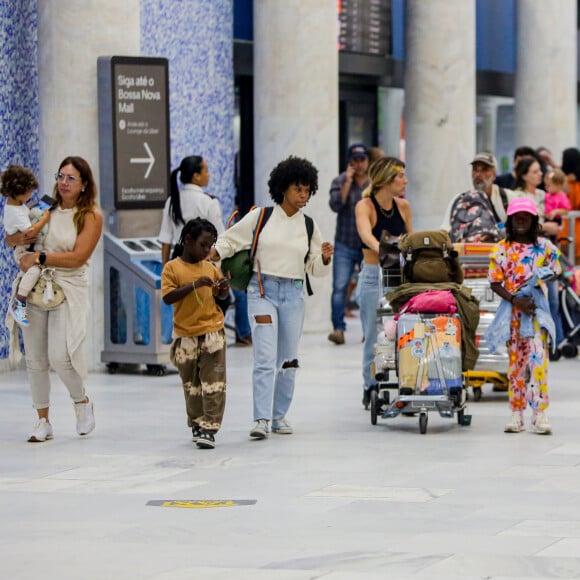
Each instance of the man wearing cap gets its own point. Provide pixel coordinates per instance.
(483, 173)
(345, 192)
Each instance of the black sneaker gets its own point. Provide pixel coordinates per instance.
(205, 440)
(196, 432)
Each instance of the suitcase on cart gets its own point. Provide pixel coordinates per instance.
(429, 370)
(429, 354)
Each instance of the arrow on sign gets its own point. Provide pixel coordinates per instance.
(150, 159)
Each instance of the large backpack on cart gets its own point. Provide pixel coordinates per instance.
(429, 257)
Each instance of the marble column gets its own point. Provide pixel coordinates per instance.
(546, 78)
(391, 102)
(196, 37)
(71, 35)
(439, 104)
(296, 109)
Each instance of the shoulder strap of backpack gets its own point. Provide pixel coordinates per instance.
(231, 218)
(504, 202)
(309, 222)
(235, 216)
(504, 199)
(264, 216)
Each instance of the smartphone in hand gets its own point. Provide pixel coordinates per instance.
(46, 203)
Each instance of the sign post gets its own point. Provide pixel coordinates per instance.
(133, 132)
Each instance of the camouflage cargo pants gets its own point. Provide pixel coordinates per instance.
(201, 362)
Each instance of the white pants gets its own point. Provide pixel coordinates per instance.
(30, 277)
(45, 345)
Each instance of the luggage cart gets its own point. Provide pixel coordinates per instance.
(429, 377)
(490, 368)
(385, 365)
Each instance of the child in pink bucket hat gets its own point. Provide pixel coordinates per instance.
(513, 262)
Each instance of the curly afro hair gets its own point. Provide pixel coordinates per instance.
(17, 180)
(292, 171)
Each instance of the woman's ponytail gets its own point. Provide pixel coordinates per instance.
(175, 201)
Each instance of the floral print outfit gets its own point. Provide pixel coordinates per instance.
(512, 264)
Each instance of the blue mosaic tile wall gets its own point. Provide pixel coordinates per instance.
(19, 118)
(196, 36)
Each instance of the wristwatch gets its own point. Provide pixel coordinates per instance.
(41, 259)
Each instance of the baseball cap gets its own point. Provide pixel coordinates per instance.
(522, 204)
(357, 150)
(486, 158)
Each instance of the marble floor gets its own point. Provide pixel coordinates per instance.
(338, 500)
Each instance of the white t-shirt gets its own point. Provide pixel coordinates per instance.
(194, 203)
(16, 218)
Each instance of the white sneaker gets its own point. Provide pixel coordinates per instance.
(261, 429)
(516, 423)
(282, 427)
(42, 432)
(19, 312)
(85, 417)
(540, 424)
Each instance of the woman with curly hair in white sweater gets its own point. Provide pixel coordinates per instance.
(276, 288)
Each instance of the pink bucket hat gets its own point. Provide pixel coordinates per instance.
(522, 204)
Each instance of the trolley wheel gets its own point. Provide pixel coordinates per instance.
(374, 407)
(113, 368)
(476, 393)
(569, 351)
(460, 415)
(554, 356)
(423, 423)
(156, 370)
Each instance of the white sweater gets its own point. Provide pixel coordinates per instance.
(282, 245)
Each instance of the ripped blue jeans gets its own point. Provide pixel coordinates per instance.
(275, 343)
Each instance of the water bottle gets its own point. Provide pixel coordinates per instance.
(450, 362)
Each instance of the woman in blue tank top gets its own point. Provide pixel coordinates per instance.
(381, 211)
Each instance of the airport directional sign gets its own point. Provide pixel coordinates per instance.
(134, 131)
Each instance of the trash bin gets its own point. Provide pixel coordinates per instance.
(138, 325)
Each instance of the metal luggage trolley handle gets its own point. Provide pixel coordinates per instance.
(490, 368)
(421, 402)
